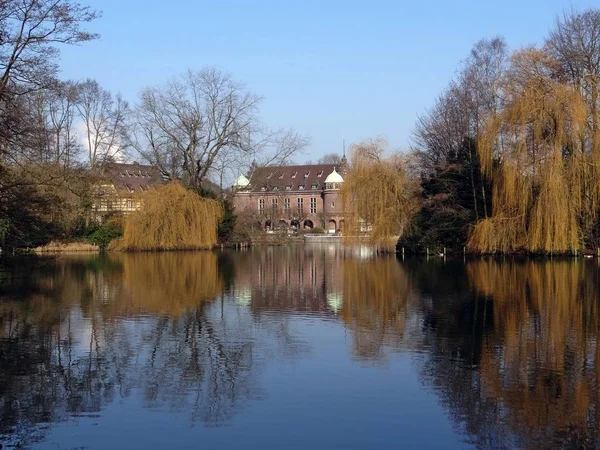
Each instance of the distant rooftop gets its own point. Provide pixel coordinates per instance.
(305, 177)
(133, 178)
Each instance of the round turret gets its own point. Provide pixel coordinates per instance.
(333, 180)
(334, 177)
(241, 183)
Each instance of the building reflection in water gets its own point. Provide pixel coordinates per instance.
(509, 348)
(295, 279)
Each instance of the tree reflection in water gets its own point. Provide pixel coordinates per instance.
(87, 330)
(527, 374)
(378, 305)
(509, 348)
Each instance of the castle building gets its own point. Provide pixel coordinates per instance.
(293, 197)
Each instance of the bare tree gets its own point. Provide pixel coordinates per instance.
(460, 112)
(226, 166)
(184, 126)
(190, 120)
(482, 79)
(330, 158)
(277, 147)
(53, 137)
(575, 44)
(62, 112)
(30, 31)
(104, 119)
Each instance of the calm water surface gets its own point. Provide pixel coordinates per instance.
(298, 347)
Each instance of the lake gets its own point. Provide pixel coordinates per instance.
(298, 347)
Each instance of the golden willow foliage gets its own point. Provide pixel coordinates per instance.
(541, 174)
(376, 294)
(172, 218)
(377, 195)
(547, 368)
(121, 285)
(171, 283)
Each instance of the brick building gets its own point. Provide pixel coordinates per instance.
(293, 197)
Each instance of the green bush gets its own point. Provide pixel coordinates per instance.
(317, 231)
(104, 234)
(226, 227)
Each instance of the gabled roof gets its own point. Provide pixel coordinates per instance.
(132, 178)
(308, 177)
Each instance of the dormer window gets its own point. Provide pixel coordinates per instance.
(301, 187)
(270, 175)
(294, 175)
(320, 174)
(307, 174)
(288, 187)
(281, 176)
(275, 188)
(314, 186)
(263, 188)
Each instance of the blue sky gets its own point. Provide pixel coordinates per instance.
(332, 70)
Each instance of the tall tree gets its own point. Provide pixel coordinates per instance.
(529, 151)
(186, 123)
(575, 44)
(445, 144)
(184, 126)
(378, 195)
(104, 119)
(53, 137)
(30, 31)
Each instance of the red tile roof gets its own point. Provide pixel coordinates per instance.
(133, 178)
(290, 178)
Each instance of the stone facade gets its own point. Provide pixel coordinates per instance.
(293, 197)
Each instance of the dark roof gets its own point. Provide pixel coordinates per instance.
(290, 178)
(210, 186)
(133, 178)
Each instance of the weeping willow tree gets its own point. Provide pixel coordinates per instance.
(541, 174)
(378, 196)
(172, 218)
